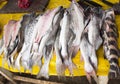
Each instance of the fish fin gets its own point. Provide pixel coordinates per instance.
(88, 78)
(71, 66)
(60, 66)
(44, 71)
(93, 74)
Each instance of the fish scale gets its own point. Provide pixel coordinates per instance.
(24, 54)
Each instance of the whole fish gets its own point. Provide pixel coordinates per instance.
(25, 20)
(43, 29)
(85, 45)
(110, 45)
(94, 37)
(10, 36)
(15, 46)
(29, 35)
(47, 42)
(60, 66)
(66, 39)
(93, 40)
(77, 27)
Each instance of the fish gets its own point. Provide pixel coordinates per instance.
(65, 41)
(77, 20)
(60, 66)
(29, 35)
(64, 37)
(110, 45)
(47, 42)
(85, 45)
(14, 47)
(9, 38)
(25, 20)
(93, 40)
(76, 25)
(94, 37)
(43, 29)
(1, 45)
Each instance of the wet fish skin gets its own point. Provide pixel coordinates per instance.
(66, 40)
(77, 20)
(86, 55)
(43, 29)
(18, 29)
(25, 20)
(48, 41)
(77, 25)
(60, 66)
(64, 34)
(10, 34)
(24, 55)
(110, 43)
(94, 38)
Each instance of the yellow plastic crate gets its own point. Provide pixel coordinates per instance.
(103, 66)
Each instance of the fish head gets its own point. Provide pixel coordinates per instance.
(75, 6)
(109, 14)
(26, 19)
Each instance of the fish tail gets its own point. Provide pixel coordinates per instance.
(71, 67)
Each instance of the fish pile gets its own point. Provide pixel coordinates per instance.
(64, 31)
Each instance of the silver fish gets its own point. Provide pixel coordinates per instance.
(60, 66)
(10, 38)
(14, 47)
(65, 41)
(85, 45)
(43, 29)
(24, 55)
(25, 20)
(77, 20)
(76, 28)
(47, 42)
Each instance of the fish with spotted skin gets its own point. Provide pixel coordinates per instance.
(29, 35)
(110, 45)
